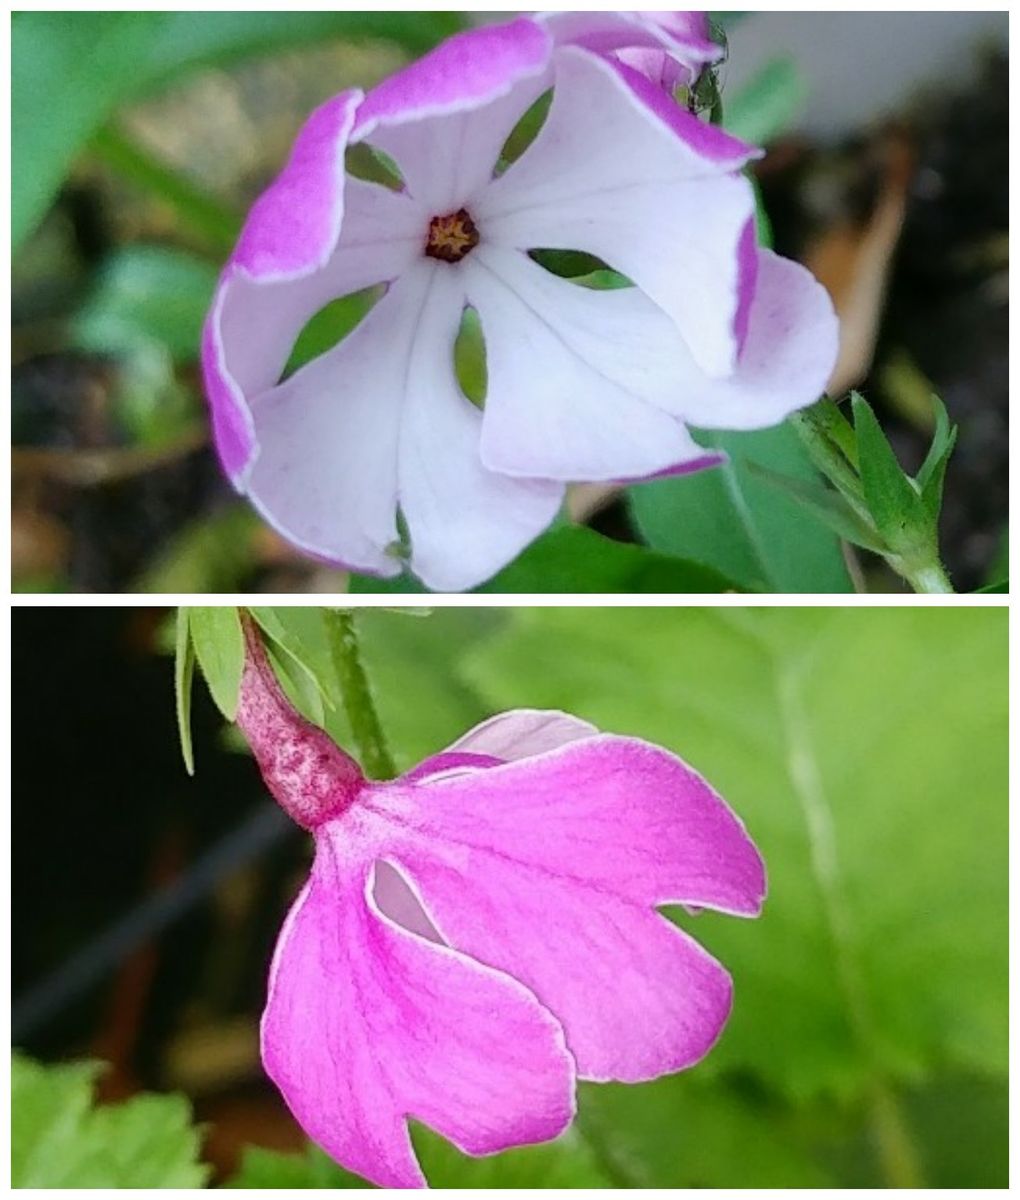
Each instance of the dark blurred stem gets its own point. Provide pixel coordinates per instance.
(376, 760)
(896, 1151)
(206, 215)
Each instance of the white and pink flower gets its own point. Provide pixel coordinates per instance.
(582, 384)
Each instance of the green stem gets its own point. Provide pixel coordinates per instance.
(929, 579)
(357, 695)
(897, 1154)
(215, 221)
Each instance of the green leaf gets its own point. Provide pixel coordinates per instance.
(271, 1169)
(866, 749)
(932, 474)
(147, 294)
(565, 1163)
(219, 649)
(899, 512)
(740, 526)
(70, 71)
(766, 105)
(184, 672)
(575, 559)
(58, 1140)
(301, 634)
(685, 1132)
(828, 506)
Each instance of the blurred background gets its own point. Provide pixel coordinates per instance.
(886, 174)
(868, 1041)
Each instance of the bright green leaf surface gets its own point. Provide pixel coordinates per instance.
(736, 523)
(685, 1132)
(219, 649)
(71, 69)
(574, 559)
(58, 1139)
(866, 750)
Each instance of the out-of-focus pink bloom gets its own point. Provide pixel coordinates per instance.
(480, 933)
(582, 384)
(669, 48)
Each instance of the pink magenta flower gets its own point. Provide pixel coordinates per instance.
(582, 384)
(480, 933)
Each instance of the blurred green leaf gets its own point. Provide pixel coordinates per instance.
(867, 752)
(70, 71)
(737, 524)
(684, 1132)
(766, 105)
(575, 559)
(214, 553)
(184, 673)
(329, 326)
(147, 294)
(565, 1163)
(219, 649)
(59, 1140)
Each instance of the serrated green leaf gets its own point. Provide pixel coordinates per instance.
(738, 525)
(867, 752)
(87, 63)
(931, 476)
(828, 506)
(59, 1140)
(894, 502)
(184, 673)
(219, 648)
(686, 1132)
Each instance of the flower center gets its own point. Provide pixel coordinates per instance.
(451, 237)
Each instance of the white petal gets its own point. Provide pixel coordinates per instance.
(576, 377)
(523, 733)
(789, 353)
(644, 188)
(326, 472)
(465, 521)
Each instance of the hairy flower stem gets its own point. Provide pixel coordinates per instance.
(929, 579)
(376, 760)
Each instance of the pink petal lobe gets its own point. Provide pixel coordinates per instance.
(550, 869)
(368, 1023)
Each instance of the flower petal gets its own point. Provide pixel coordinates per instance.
(444, 118)
(683, 34)
(368, 1023)
(522, 733)
(621, 171)
(789, 352)
(549, 868)
(311, 237)
(464, 520)
(326, 472)
(577, 378)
